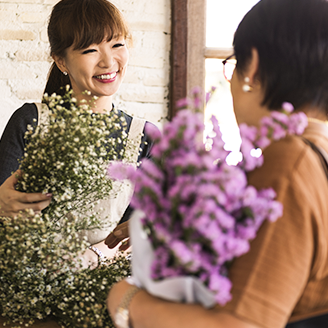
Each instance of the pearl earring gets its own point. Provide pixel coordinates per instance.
(246, 86)
(65, 73)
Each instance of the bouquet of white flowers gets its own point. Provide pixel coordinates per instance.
(40, 271)
(66, 155)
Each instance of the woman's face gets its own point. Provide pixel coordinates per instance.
(100, 68)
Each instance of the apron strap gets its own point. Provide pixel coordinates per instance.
(43, 113)
(134, 137)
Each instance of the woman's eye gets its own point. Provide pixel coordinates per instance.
(117, 45)
(88, 51)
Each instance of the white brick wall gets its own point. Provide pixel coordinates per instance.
(25, 61)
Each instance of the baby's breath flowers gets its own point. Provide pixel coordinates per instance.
(40, 275)
(40, 271)
(34, 261)
(83, 300)
(67, 153)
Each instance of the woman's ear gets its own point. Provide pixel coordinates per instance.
(60, 62)
(253, 67)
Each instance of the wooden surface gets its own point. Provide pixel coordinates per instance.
(179, 39)
(196, 44)
(37, 324)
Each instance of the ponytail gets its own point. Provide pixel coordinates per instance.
(57, 81)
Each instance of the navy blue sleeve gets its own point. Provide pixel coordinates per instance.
(12, 142)
(146, 145)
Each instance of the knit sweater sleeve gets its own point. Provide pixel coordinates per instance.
(284, 275)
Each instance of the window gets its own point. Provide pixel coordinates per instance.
(202, 33)
(222, 19)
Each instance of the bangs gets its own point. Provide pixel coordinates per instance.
(96, 21)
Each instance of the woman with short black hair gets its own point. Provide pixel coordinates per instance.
(281, 48)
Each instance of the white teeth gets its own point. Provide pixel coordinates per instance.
(106, 76)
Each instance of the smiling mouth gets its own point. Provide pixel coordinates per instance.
(106, 76)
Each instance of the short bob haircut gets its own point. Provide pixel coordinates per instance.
(80, 23)
(291, 37)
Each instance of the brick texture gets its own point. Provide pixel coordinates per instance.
(25, 59)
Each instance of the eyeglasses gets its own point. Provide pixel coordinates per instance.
(229, 65)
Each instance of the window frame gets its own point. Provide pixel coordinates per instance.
(188, 49)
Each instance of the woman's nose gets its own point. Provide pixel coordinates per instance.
(106, 60)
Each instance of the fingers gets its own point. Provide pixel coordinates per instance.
(38, 206)
(13, 201)
(27, 198)
(15, 207)
(120, 233)
(89, 259)
(125, 245)
(116, 295)
(12, 180)
(23, 197)
(15, 177)
(111, 241)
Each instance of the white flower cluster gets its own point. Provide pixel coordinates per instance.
(67, 156)
(40, 275)
(34, 260)
(40, 270)
(84, 299)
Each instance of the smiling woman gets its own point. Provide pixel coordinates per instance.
(100, 69)
(25, 60)
(88, 43)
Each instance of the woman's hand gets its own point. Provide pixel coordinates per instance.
(147, 311)
(116, 295)
(89, 259)
(120, 233)
(13, 201)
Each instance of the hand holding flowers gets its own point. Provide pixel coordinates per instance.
(66, 155)
(40, 270)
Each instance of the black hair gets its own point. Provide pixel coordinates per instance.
(291, 37)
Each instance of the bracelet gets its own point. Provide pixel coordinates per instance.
(101, 256)
(122, 313)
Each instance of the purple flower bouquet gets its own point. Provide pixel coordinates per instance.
(196, 212)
